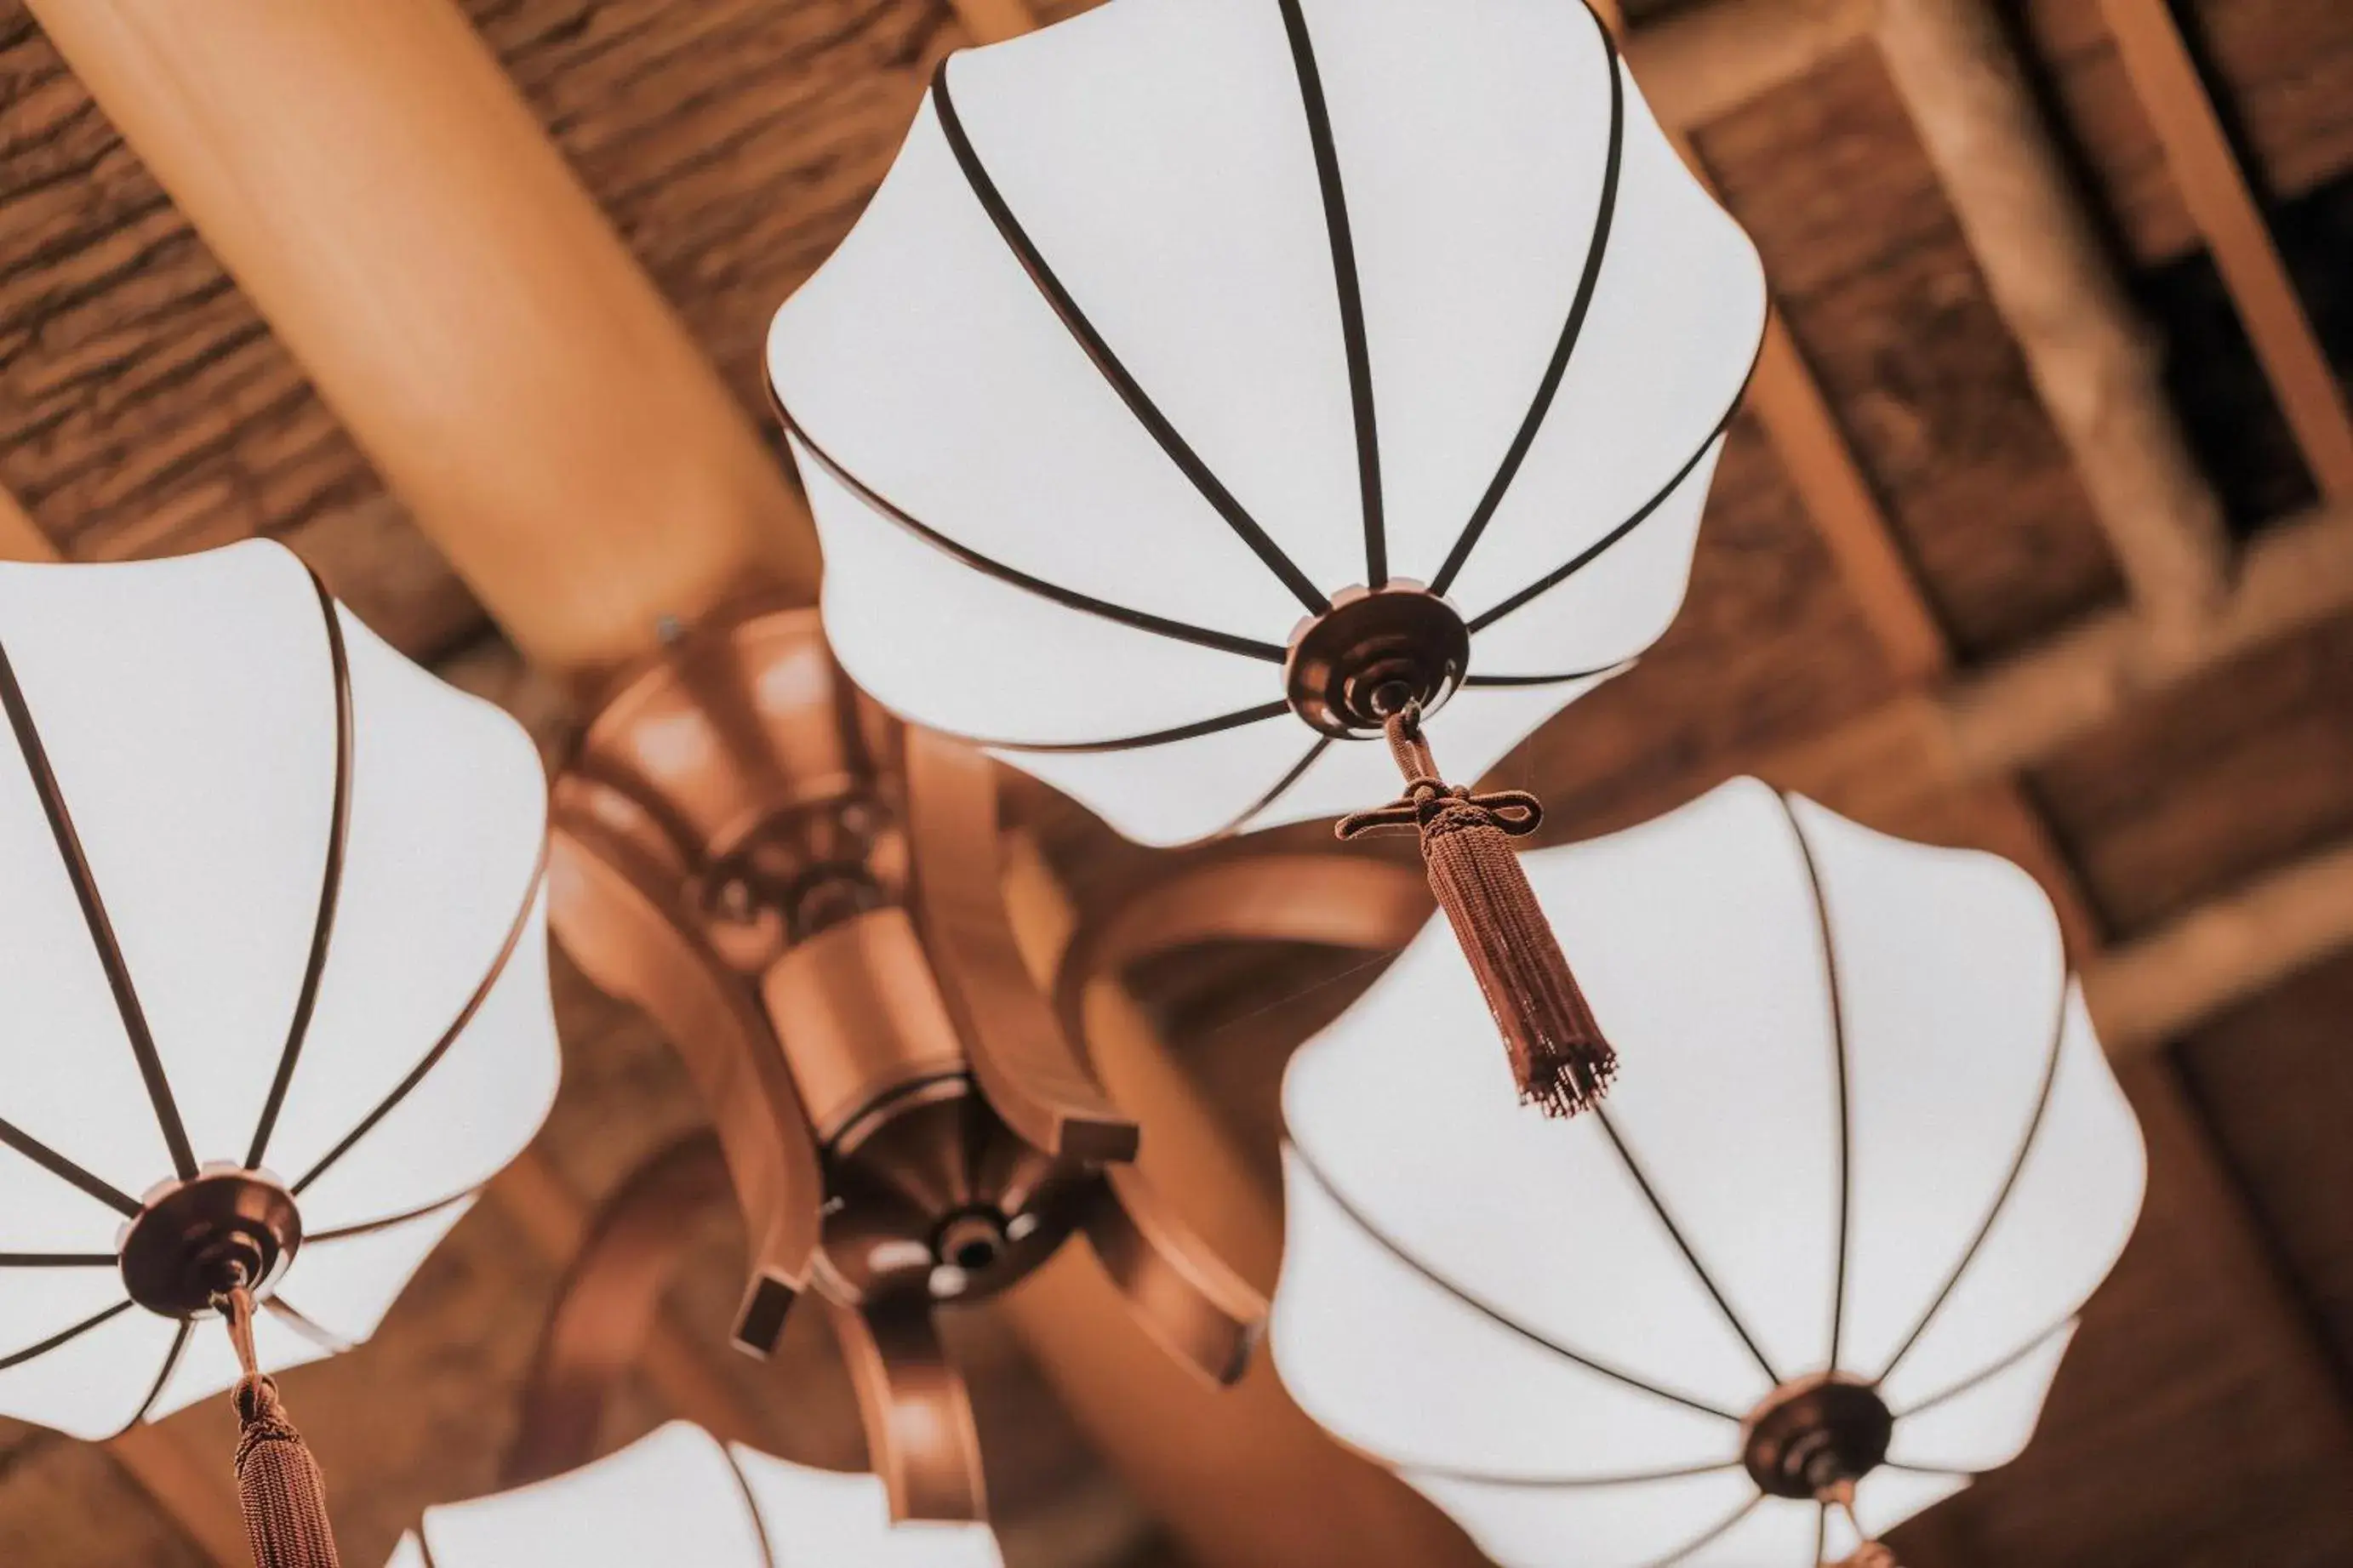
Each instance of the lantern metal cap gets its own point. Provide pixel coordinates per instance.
(194, 1240)
(1375, 650)
(1814, 1434)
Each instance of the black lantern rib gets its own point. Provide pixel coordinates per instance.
(1139, 403)
(425, 1548)
(2001, 1198)
(64, 1169)
(1620, 667)
(1495, 1314)
(1842, 1066)
(1282, 786)
(1350, 288)
(93, 913)
(1564, 1483)
(64, 1336)
(1691, 1255)
(432, 1058)
(1715, 1532)
(1990, 1372)
(162, 1375)
(369, 1227)
(305, 1326)
(1069, 598)
(331, 882)
(1223, 723)
(1821, 1531)
(1580, 305)
(751, 1506)
(1602, 545)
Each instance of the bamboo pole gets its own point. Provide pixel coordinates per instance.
(372, 178)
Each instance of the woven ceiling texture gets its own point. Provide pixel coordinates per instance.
(2036, 536)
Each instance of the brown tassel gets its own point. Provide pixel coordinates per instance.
(278, 1484)
(1558, 1055)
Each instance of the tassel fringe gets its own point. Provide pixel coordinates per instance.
(1559, 1058)
(279, 1484)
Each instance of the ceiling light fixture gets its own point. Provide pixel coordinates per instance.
(271, 905)
(677, 1496)
(1805, 1278)
(1214, 386)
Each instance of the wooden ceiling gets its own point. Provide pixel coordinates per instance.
(2037, 536)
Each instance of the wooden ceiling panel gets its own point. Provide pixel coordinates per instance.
(144, 408)
(2276, 1080)
(1878, 283)
(732, 143)
(2285, 68)
(2231, 775)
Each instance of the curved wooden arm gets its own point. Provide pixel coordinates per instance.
(1194, 1307)
(1020, 1057)
(606, 1309)
(606, 909)
(920, 1434)
(1332, 900)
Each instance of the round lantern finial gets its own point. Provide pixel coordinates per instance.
(1373, 652)
(1814, 1435)
(194, 1240)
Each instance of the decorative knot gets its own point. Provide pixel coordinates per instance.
(1432, 806)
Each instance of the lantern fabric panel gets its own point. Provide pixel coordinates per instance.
(320, 868)
(678, 1496)
(1168, 326)
(1875, 1137)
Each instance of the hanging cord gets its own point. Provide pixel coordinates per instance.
(1871, 1553)
(278, 1484)
(1559, 1056)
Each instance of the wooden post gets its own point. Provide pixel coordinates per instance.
(372, 178)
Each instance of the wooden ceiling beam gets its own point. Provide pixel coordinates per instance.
(2023, 710)
(2150, 993)
(196, 1493)
(2092, 361)
(376, 184)
(994, 21)
(2214, 186)
(1700, 64)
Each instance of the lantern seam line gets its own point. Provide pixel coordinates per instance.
(163, 1376)
(1584, 558)
(390, 1222)
(1107, 363)
(1282, 787)
(1691, 1255)
(1725, 1528)
(307, 1327)
(2001, 1199)
(1013, 576)
(1988, 1373)
(64, 1336)
(450, 1037)
(103, 936)
(1348, 285)
(66, 1171)
(1507, 681)
(1581, 306)
(1494, 1315)
(751, 1506)
(315, 968)
(1564, 1483)
(1224, 723)
(1841, 1055)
